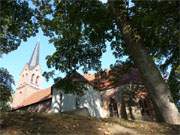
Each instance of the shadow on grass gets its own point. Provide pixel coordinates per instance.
(145, 127)
(62, 124)
(40, 123)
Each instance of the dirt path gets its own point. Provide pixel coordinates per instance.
(116, 129)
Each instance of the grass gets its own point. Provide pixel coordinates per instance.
(63, 124)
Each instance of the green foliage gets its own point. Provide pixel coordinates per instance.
(5, 95)
(78, 36)
(72, 83)
(68, 86)
(49, 75)
(174, 84)
(158, 23)
(16, 24)
(6, 81)
(177, 72)
(80, 32)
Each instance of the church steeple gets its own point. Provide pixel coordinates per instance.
(31, 73)
(34, 61)
(30, 78)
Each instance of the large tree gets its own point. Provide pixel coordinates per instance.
(6, 82)
(158, 89)
(160, 35)
(17, 23)
(174, 84)
(80, 31)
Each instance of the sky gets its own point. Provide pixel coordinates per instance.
(15, 60)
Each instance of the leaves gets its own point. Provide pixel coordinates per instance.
(6, 81)
(16, 24)
(79, 37)
(158, 23)
(80, 32)
(72, 83)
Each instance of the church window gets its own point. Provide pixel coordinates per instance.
(26, 77)
(37, 79)
(32, 77)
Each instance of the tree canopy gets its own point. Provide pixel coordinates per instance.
(79, 38)
(158, 22)
(81, 31)
(16, 24)
(73, 26)
(6, 82)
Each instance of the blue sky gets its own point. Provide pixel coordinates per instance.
(15, 60)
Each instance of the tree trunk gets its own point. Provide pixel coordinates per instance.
(158, 89)
(131, 113)
(123, 112)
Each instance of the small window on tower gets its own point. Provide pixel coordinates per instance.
(32, 77)
(37, 79)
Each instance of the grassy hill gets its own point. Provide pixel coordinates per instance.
(63, 124)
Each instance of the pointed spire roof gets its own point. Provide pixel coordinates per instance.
(34, 61)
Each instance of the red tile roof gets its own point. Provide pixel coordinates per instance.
(113, 78)
(36, 97)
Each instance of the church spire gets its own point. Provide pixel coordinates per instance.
(34, 61)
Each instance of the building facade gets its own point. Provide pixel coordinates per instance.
(105, 95)
(29, 83)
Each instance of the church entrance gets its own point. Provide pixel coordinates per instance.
(113, 109)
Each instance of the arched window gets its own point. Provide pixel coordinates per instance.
(26, 77)
(37, 79)
(32, 77)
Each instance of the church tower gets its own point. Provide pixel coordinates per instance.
(31, 73)
(30, 79)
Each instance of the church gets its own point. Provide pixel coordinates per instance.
(103, 97)
(28, 90)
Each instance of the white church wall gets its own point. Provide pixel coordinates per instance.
(62, 102)
(56, 100)
(92, 100)
(68, 102)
